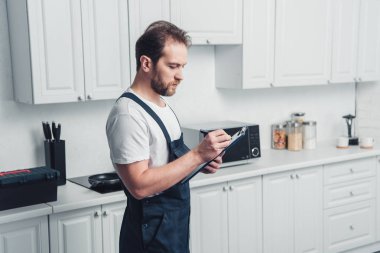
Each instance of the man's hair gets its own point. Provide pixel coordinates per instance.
(152, 41)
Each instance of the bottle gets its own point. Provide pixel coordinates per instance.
(309, 134)
(294, 130)
(279, 136)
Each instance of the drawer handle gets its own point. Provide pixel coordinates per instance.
(351, 193)
(352, 170)
(352, 227)
(225, 188)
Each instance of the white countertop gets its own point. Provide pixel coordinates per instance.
(72, 196)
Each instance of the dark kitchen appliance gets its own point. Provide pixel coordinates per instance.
(27, 187)
(101, 183)
(350, 122)
(248, 148)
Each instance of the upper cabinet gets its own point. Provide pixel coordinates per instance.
(65, 51)
(209, 22)
(251, 64)
(356, 41)
(369, 41)
(303, 42)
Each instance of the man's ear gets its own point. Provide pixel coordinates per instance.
(146, 63)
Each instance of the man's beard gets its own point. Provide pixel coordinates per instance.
(161, 88)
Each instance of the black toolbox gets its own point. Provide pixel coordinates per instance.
(27, 187)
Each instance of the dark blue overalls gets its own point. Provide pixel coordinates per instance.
(158, 224)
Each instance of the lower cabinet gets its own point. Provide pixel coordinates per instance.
(227, 217)
(31, 236)
(88, 230)
(350, 204)
(292, 211)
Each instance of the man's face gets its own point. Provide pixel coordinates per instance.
(167, 73)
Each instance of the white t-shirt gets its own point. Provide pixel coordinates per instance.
(133, 135)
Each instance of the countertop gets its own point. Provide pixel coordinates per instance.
(72, 196)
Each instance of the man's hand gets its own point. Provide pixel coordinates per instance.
(213, 143)
(214, 166)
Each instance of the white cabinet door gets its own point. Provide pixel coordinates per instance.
(378, 198)
(292, 211)
(56, 51)
(106, 47)
(303, 42)
(308, 210)
(369, 41)
(112, 218)
(345, 40)
(258, 43)
(76, 231)
(209, 216)
(142, 13)
(245, 216)
(211, 21)
(278, 213)
(250, 65)
(29, 236)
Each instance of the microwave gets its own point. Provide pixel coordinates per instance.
(244, 151)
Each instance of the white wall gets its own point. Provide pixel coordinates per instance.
(368, 110)
(197, 100)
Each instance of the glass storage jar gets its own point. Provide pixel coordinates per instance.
(309, 134)
(298, 116)
(279, 136)
(294, 130)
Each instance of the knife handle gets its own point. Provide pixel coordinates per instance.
(54, 130)
(48, 131)
(58, 133)
(44, 130)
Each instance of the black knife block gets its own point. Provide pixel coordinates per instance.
(55, 158)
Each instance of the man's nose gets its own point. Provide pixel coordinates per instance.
(179, 75)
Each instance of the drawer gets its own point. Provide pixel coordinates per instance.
(348, 193)
(349, 170)
(349, 226)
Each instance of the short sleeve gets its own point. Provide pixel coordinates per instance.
(128, 139)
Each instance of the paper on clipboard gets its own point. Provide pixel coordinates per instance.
(234, 139)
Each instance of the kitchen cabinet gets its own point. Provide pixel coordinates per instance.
(292, 211)
(303, 42)
(209, 22)
(378, 198)
(356, 41)
(142, 14)
(250, 65)
(350, 204)
(226, 217)
(65, 51)
(92, 230)
(369, 41)
(30, 235)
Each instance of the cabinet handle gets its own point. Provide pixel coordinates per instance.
(291, 176)
(352, 170)
(271, 84)
(208, 41)
(96, 214)
(328, 82)
(352, 227)
(231, 188)
(355, 80)
(351, 193)
(225, 188)
(298, 177)
(80, 98)
(360, 79)
(89, 96)
(105, 213)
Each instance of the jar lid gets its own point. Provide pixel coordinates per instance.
(293, 123)
(279, 125)
(298, 114)
(310, 123)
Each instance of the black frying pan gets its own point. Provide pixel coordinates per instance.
(105, 180)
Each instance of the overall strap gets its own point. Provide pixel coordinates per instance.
(150, 112)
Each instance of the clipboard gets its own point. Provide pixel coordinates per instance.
(234, 139)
